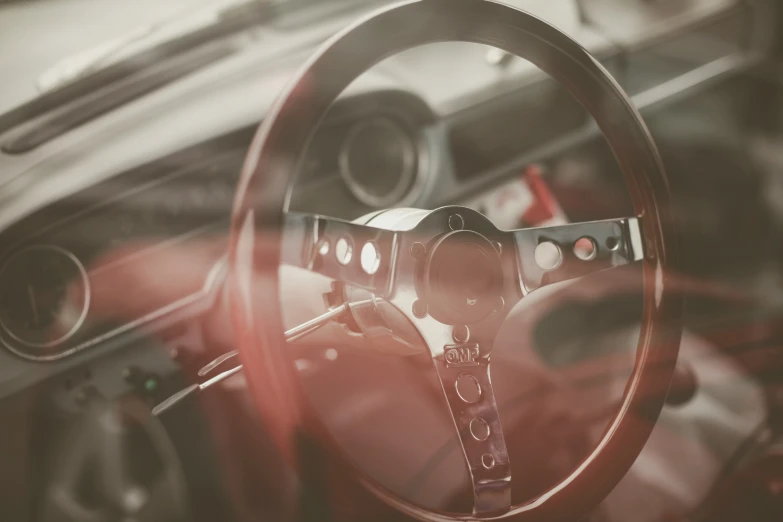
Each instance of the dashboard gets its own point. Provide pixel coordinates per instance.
(433, 146)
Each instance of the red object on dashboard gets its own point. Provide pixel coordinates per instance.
(544, 209)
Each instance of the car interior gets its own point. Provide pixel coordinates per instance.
(391, 260)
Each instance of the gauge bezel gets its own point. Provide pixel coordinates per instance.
(415, 162)
(85, 280)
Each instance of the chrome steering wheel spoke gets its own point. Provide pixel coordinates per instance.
(461, 357)
(358, 255)
(550, 255)
(450, 283)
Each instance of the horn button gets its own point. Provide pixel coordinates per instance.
(463, 278)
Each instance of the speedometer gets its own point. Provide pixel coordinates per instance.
(44, 296)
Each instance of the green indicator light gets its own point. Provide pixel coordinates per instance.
(150, 384)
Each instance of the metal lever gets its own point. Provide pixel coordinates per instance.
(207, 368)
(293, 334)
(180, 395)
(297, 332)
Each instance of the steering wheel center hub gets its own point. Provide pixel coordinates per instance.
(463, 278)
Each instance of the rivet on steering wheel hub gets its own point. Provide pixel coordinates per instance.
(461, 333)
(456, 222)
(418, 250)
(420, 308)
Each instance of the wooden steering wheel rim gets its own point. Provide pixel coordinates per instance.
(270, 168)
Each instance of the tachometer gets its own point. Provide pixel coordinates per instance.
(378, 162)
(44, 296)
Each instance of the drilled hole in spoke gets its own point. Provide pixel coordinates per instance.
(488, 461)
(585, 248)
(548, 255)
(479, 429)
(370, 258)
(343, 251)
(612, 243)
(323, 248)
(468, 388)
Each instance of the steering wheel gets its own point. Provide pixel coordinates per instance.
(450, 272)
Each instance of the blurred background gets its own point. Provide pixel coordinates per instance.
(123, 130)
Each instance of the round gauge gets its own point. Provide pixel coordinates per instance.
(44, 296)
(378, 161)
